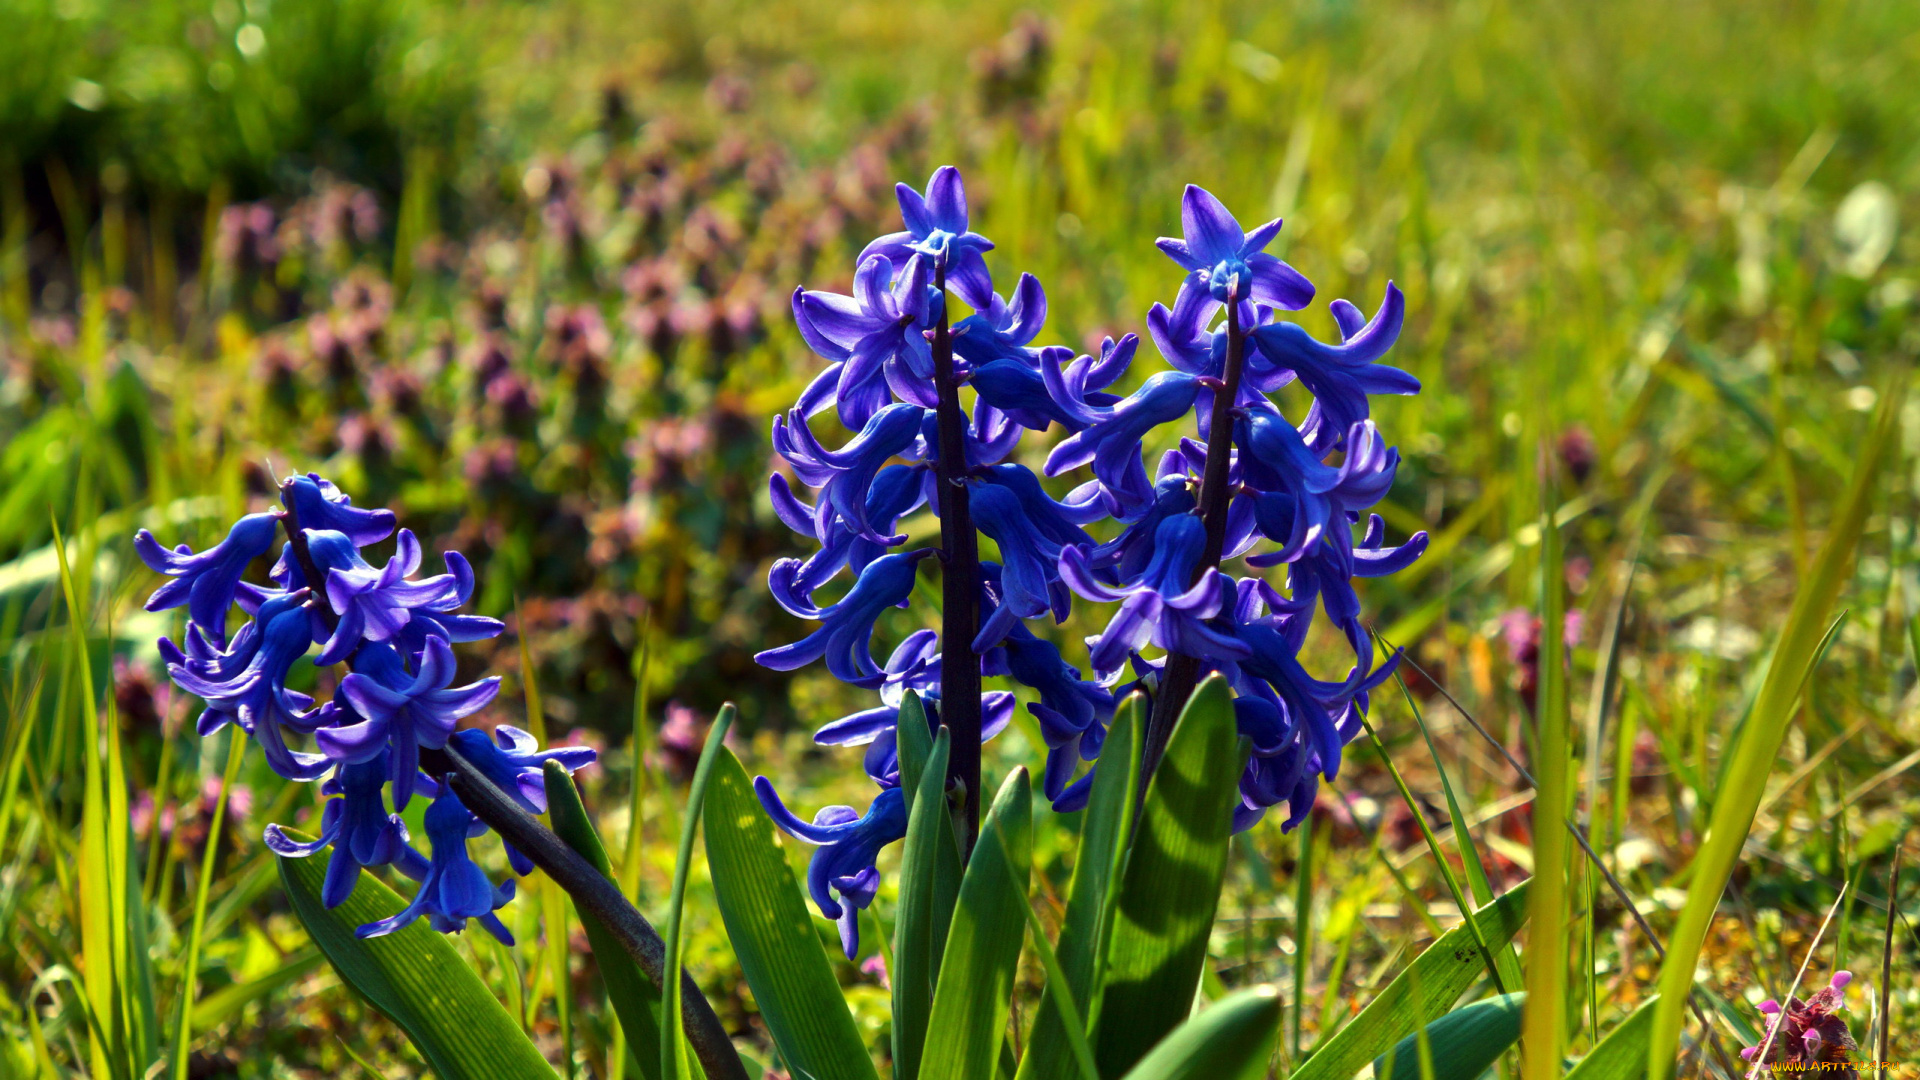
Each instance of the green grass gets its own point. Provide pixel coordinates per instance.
(1626, 223)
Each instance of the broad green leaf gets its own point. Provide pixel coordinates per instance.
(416, 978)
(634, 997)
(1621, 1055)
(1462, 1044)
(773, 936)
(969, 1018)
(929, 886)
(1108, 819)
(1171, 887)
(1231, 1040)
(913, 743)
(1429, 987)
(1757, 751)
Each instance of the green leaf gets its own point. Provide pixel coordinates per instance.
(1757, 751)
(929, 887)
(914, 743)
(1171, 886)
(773, 936)
(415, 977)
(635, 999)
(1429, 987)
(673, 1037)
(1108, 821)
(1462, 1044)
(1621, 1055)
(1232, 1040)
(969, 1018)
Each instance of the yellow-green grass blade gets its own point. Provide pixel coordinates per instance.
(1429, 986)
(223, 1005)
(415, 977)
(1171, 887)
(1548, 940)
(673, 1040)
(1754, 756)
(1231, 1040)
(1104, 832)
(773, 936)
(969, 1018)
(1621, 1055)
(553, 899)
(1459, 1046)
(635, 999)
(1506, 960)
(929, 886)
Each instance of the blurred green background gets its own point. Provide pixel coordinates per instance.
(520, 270)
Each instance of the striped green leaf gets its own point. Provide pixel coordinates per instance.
(1622, 1054)
(1231, 1040)
(1429, 987)
(929, 886)
(1460, 1045)
(773, 936)
(1096, 872)
(416, 978)
(969, 1018)
(1171, 886)
(634, 997)
(1758, 748)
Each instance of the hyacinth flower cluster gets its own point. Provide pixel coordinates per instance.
(395, 705)
(1247, 484)
(1806, 1036)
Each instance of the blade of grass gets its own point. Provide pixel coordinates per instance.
(553, 899)
(236, 751)
(673, 1055)
(1758, 749)
(1076, 1032)
(1439, 858)
(1547, 945)
(1882, 1051)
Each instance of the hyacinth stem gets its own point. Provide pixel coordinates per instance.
(959, 586)
(1182, 673)
(590, 889)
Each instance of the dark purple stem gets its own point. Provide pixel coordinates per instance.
(1182, 673)
(959, 585)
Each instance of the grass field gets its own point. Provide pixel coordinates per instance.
(520, 270)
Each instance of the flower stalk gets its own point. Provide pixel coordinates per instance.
(1182, 672)
(959, 583)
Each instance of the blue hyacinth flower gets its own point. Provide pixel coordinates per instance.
(1164, 605)
(1029, 579)
(1112, 443)
(1002, 329)
(452, 889)
(358, 827)
(376, 605)
(876, 337)
(402, 711)
(1233, 264)
(320, 505)
(846, 637)
(897, 491)
(845, 476)
(842, 877)
(513, 760)
(1072, 712)
(254, 694)
(936, 227)
(1341, 376)
(206, 582)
